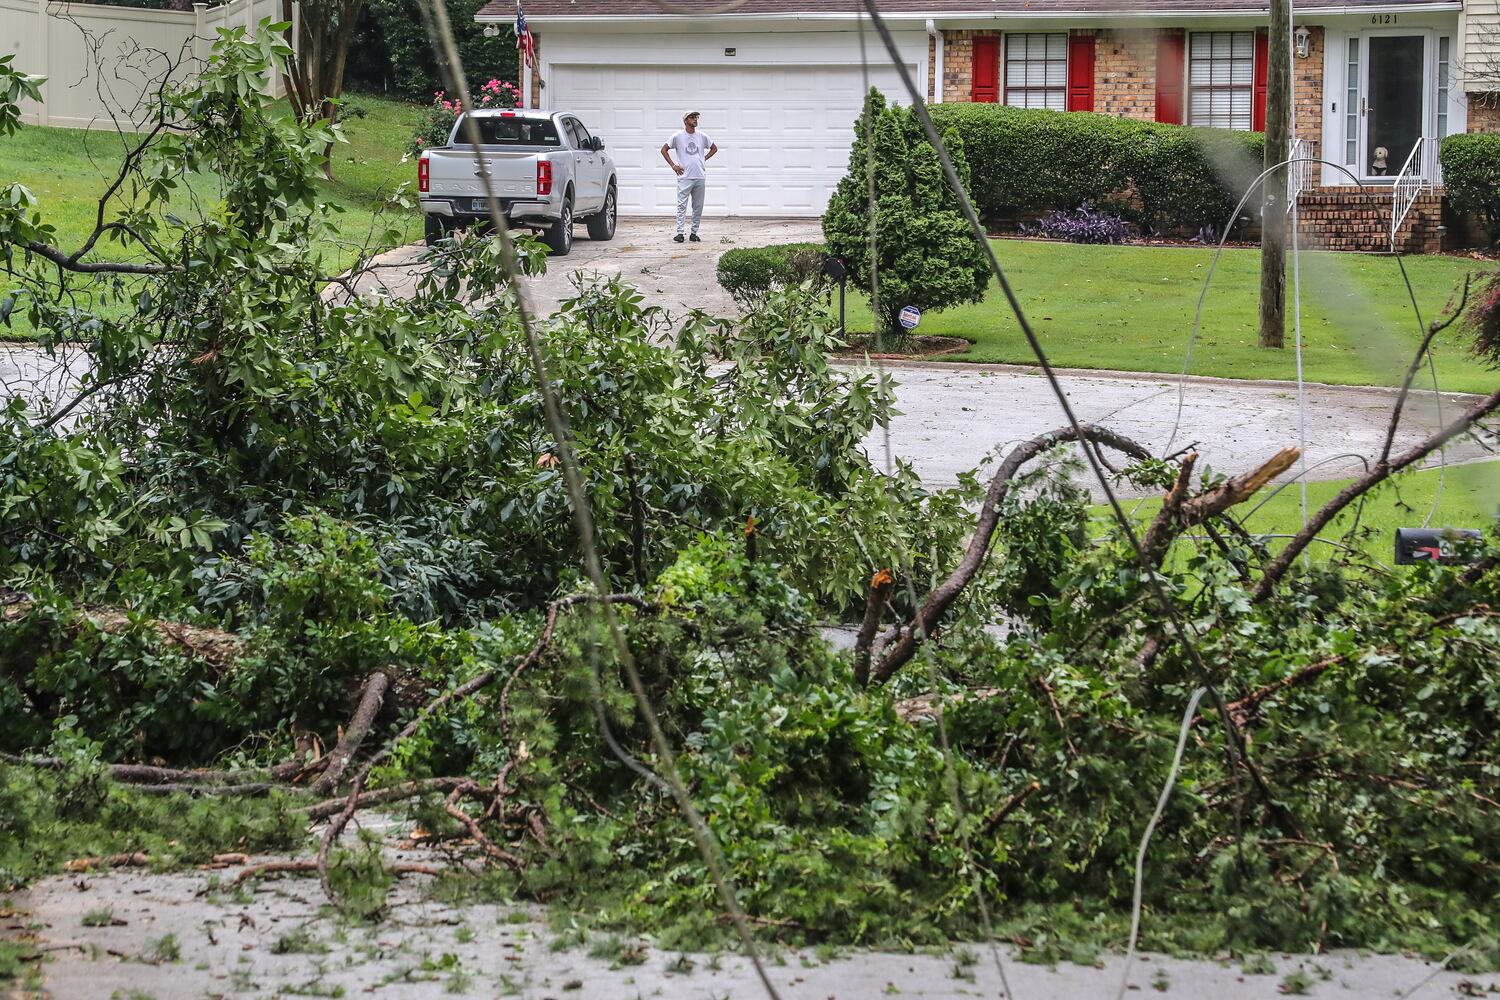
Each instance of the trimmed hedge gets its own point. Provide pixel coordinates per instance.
(1471, 175)
(1188, 178)
(1169, 177)
(749, 272)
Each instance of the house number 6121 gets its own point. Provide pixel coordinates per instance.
(1383, 18)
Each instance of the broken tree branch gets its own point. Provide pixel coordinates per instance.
(247, 789)
(142, 774)
(214, 645)
(364, 717)
(489, 847)
(1178, 513)
(394, 793)
(133, 859)
(880, 592)
(1433, 329)
(1284, 560)
(332, 834)
(896, 648)
(1163, 526)
(1062, 725)
(355, 799)
(545, 639)
(1236, 489)
(1241, 708)
(925, 706)
(69, 262)
(1011, 805)
(286, 867)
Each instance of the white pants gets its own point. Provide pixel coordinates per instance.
(690, 187)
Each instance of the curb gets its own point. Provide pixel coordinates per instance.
(1162, 378)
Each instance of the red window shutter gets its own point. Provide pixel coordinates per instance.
(1262, 63)
(986, 69)
(1169, 77)
(1081, 73)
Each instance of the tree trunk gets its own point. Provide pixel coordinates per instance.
(1273, 201)
(315, 73)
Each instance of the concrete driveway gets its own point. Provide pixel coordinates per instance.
(676, 276)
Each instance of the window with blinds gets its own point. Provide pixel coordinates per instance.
(1221, 79)
(1036, 71)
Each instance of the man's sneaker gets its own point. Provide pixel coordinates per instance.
(694, 239)
(678, 238)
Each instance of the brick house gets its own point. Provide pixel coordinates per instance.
(779, 82)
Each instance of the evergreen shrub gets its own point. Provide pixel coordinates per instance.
(1471, 173)
(1170, 177)
(748, 273)
(927, 255)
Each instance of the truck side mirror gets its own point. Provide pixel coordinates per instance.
(596, 143)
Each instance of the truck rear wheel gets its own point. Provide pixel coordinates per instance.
(559, 236)
(602, 226)
(434, 229)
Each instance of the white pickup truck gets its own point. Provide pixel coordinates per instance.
(545, 168)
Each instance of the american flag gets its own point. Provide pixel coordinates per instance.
(524, 39)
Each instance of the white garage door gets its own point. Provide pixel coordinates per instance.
(783, 131)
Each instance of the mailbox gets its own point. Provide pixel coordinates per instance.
(1453, 545)
(837, 269)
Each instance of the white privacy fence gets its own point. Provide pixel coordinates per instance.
(103, 64)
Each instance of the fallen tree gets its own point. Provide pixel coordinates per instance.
(273, 518)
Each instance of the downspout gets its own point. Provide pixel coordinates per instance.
(937, 61)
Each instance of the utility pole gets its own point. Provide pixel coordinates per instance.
(1273, 225)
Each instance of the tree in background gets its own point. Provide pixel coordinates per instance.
(925, 254)
(315, 75)
(393, 54)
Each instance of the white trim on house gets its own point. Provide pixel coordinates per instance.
(1336, 116)
(939, 70)
(835, 20)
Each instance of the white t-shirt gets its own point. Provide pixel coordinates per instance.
(690, 150)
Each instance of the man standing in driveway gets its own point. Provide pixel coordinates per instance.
(693, 150)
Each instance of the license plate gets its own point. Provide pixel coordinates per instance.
(479, 205)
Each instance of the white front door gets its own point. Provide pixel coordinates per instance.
(783, 132)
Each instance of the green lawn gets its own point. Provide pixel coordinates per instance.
(68, 169)
(1131, 308)
(1470, 499)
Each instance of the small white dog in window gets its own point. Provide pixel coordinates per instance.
(1378, 162)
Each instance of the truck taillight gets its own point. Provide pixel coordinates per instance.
(424, 174)
(543, 177)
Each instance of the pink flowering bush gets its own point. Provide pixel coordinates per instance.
(437, 122)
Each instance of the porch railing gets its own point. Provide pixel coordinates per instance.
(1414, 178)
(1296, 171)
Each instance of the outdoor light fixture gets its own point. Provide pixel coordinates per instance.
(1304, 42)
(490, 31)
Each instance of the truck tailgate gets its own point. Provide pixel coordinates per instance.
(454, 172)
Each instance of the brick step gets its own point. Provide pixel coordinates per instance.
(1360, 220)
